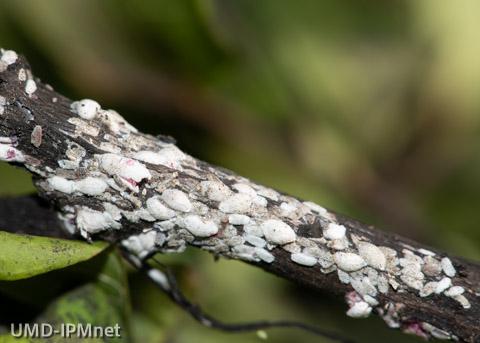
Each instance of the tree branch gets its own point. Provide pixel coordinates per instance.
(166, 281)
(110, 182)
(30, 215)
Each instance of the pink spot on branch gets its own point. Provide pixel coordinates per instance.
(352, 298)
(415, 328)
(11, 154)
(130, 162)
(132, 182)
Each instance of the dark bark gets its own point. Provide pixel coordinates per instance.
(30, 215)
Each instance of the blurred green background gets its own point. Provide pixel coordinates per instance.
(371, 108)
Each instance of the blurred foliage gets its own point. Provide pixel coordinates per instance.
(368, 107)
(93, 292)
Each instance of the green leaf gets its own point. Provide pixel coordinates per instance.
(101, 301)
(23, 256)
(11, 339)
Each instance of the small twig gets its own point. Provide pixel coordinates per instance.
(167, 282)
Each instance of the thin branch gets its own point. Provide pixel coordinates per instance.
(30, 215)
(167, 282)
(110, 182)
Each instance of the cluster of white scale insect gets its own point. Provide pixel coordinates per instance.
(177, 201)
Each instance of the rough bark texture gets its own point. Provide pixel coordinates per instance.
(108, 181)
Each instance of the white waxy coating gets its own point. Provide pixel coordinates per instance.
(292, 248)
(159, 278)
(141, 244)
(133, 244)
(176, 200)
(412, 275)
(454, 291)
(109, 147)
(244, 252)
(165, 225)
(137, 215)
(22, 75)
(382, 284)
(11, 154)
(343, 276)
(370, 300)
(30, 87)
(255, 241)
(334, 231)
(443, 285)
(215, 190)
(349, 262)
(268, 193)
(113, 210)
(426, 252)
(238, 219)
(360, 309)
(428, 289)
(244, 188)
(61, 184)
(151, 157)
(148, 240)
(126, 168)
(339, 244)
(67, 164)
(277, 232)
(83, 127)
(237, 203)
(253, 230)
(36, 136)
(447, 267)
(393, 283)
(236, 240)
(364, 286)
(9, 57)
(372, 255)
(431, 267)
(169, 156)
(325, 258)
(303, 259)
(199, 227)
(92, 221)
(264, 255)
(287, 209)
(86, 108)
(436, 332)
(260, 201)
(2, 104)
(158, 210)
(91, 186)
(463, 301)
